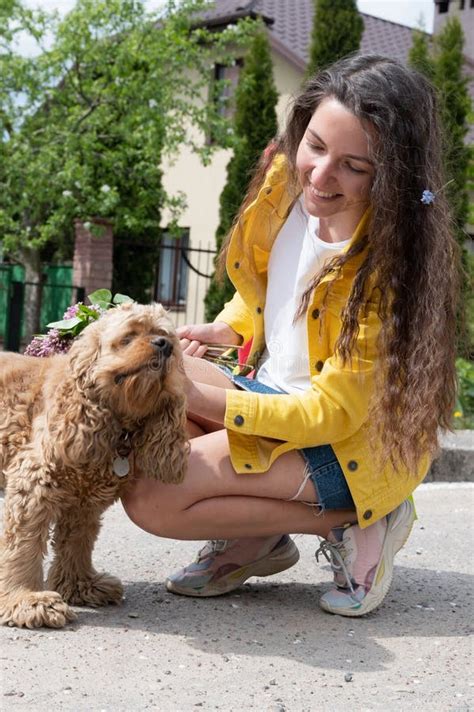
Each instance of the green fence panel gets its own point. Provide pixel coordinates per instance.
(5, 278)
(57, 293)
(8, 274)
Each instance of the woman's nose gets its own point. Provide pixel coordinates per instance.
(321, 171)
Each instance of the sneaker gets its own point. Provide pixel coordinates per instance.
(217, 569)
(362, 561)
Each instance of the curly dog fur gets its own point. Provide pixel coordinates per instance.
(63, 420)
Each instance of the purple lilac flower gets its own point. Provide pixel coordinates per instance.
(100, 310)
(49, 345)
(55, 343)
(71, 311)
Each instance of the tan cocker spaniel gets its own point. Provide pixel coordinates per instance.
(70, 428)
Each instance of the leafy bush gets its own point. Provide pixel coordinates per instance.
(464, 412)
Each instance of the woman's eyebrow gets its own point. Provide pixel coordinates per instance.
(348, 155)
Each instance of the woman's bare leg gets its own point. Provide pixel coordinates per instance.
(214, 502)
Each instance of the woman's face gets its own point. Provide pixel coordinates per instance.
(333, 163)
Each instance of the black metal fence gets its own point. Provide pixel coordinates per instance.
(182, 279)
(28, 304)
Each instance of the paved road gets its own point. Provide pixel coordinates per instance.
(267, 647)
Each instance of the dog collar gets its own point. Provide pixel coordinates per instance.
(121, 462)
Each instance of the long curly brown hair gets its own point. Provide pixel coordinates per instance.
(412, 257)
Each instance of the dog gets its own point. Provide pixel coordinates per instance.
(70, 428)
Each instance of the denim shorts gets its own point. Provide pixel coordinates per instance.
(324, 469)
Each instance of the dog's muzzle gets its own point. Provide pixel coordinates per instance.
(163, 349)
(163, 346)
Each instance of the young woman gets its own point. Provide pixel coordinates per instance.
(346, 274)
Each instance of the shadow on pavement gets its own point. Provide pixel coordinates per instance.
(284, 620)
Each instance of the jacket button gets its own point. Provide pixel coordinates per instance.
(367, 514)
(352, 465)
(315, 313)
(259, 310)
(236, 265)
(319, 366)
(239, 420)
(248, 466)
(269, 190)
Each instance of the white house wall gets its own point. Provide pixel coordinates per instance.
(202, 187)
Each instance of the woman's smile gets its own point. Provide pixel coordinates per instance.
(322, 194)
(335, 169)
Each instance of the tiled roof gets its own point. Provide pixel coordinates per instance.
(387, 38)
(290, 23)
(293, 21)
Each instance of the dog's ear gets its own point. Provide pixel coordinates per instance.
(83, 354)
(161, 449)
(75, 435)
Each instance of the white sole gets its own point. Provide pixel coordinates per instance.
(272, 563)
(384, 572)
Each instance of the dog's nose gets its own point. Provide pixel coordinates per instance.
(164, 346)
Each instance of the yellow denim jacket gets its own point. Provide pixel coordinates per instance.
(335, 409)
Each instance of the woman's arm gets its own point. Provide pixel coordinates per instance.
(333, 409)
(206, 401)
(195, 338)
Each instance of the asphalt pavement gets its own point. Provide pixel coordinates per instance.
(267, 646)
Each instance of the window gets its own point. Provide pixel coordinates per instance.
(461, 4)
(443, 6)
(172, 271)
(224, 93)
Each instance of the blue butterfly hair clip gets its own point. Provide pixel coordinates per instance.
(428, 197)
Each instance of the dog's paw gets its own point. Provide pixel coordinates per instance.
(97, 590)
(35, 609)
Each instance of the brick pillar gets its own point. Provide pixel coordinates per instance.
(93, 257)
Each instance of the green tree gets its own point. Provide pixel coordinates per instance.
(455, 107)
(337, 31)
(419, 56)
(443, 64)
(84, 123)
(255, 124)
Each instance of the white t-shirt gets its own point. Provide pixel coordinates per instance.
(297, 255)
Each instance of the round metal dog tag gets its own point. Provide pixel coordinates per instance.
(121, 466)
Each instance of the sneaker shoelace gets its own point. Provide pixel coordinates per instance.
(213, 546)
(336, 554)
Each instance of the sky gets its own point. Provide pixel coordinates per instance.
(406, 12)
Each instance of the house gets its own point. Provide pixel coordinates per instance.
(182, 283)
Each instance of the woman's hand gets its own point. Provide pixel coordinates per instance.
(194, 339)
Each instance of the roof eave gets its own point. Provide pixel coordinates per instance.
(222, 21)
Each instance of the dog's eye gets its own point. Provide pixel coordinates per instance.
(126, 340)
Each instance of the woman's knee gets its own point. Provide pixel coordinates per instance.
(148, 509)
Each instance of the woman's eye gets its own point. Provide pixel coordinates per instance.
(314, 147)
(355, 170)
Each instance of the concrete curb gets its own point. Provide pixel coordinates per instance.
(456, 462)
